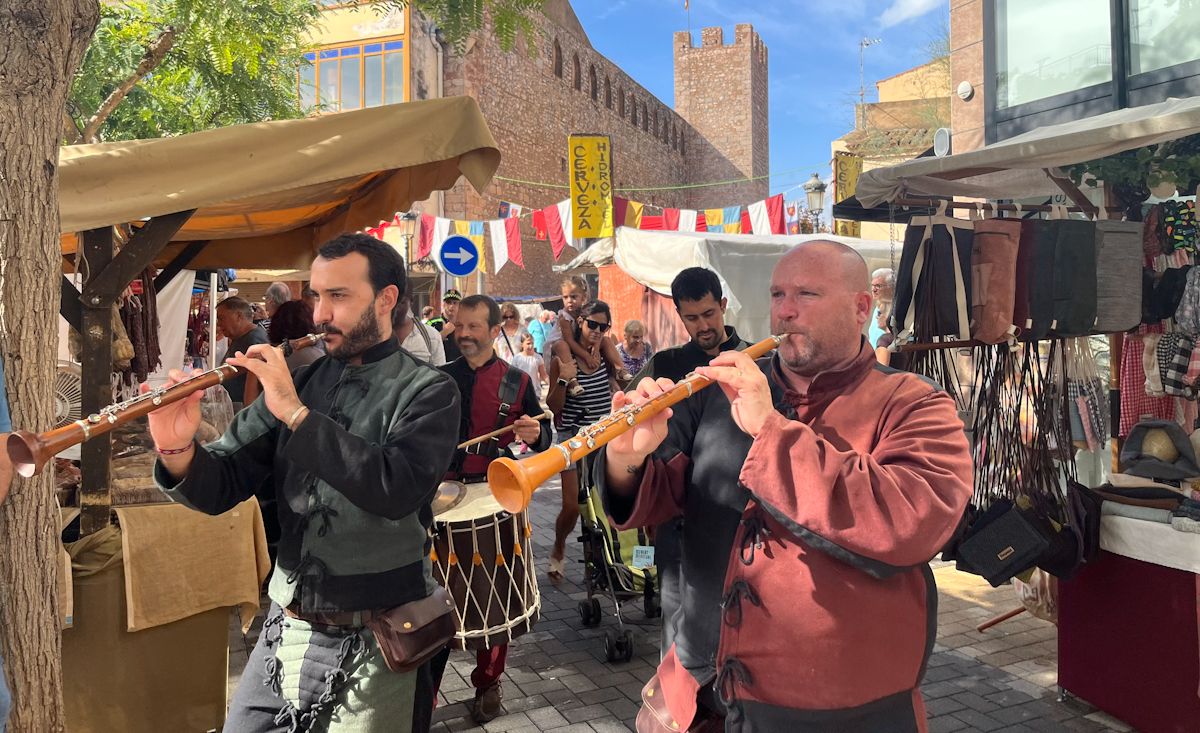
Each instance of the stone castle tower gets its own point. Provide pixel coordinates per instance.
(721, 92)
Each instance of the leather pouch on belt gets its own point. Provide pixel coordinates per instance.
(412, 634)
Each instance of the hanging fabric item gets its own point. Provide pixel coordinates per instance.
(1074, 278)
(714, 219)
(1041, 282)
(633, 214)
(1023, 277)
(792, 217)
(1178, 226)
(671, 220)
(1152, 235)
(540, 229)
(475, 234)
(760, 220)
(775, 213)
(462, 228)
(1135, 403)
(687, 220)
(555, 228)
(620, 206)
(1118, 268)
(732, 217)
(512, 234)
(441, 232)
(746, 227)
(425, 238)
(1187, 315)
(933, 286)
(499, 236)
(993, 270)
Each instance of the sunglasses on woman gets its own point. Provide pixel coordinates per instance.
(597, 325)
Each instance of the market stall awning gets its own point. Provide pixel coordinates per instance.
(1014, 168)
(267, 194)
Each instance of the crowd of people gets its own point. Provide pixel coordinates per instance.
(793, 507)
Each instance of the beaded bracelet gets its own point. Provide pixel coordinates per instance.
(174, 451)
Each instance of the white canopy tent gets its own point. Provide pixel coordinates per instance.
(743, 263)
(1016, 168)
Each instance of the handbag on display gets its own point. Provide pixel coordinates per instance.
(1043, 239)
(933, 285)
(1003, 542)
(1074, 277)
(1118, 275)
(993, 273)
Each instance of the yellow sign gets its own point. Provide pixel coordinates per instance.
(591, 186)
(847, 167)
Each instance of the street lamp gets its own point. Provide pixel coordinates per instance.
(863, 45)
(814, 189)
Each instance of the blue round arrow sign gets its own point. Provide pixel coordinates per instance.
(458, 256)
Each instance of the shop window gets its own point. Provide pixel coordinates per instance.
(353, 77)
(1045, 48)
(1162, 33)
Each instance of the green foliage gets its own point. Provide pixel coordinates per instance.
(1176, 162)
(233, 61)
(460, 19)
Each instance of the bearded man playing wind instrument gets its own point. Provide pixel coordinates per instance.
(815, 490)
(355, 445)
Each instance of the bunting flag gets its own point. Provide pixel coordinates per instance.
(512, 234)
(441, 231)
(732, 218)
(462, 228)
(745, 221)
(499, 237)
(687, 220)
(774, 206)
(633, 214)
(557, 221)
(540, 229)
(792, 218)
(715, 219)
(425, 240)
(760, 222)
(671, 219)
(475, 234)
(619, 207)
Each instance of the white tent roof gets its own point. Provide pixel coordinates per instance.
(743, 262)
(1013, 168)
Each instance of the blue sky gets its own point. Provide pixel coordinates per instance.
(813, 57)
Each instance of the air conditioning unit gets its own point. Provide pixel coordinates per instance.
(941, 142)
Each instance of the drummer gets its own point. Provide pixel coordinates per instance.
(494, 394)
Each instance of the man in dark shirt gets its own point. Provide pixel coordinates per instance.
(482, 378)
(701, 306)
(235, 321)
(445, 324)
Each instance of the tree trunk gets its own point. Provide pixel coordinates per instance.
(44, 43)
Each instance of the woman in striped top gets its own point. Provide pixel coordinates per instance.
(574, 412)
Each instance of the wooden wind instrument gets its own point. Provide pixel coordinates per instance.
(546, 415)
(513, 482)
(30, 452)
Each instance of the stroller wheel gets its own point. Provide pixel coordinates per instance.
(625, 646)
(611, 652)
(652, 606)
(589, 612)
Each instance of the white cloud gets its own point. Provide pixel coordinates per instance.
(902, 10)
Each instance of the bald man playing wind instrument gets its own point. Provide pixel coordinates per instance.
(816, 485)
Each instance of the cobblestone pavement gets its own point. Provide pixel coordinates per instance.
(557, 678)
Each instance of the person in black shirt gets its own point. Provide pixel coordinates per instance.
(235, 321)
(701, 306)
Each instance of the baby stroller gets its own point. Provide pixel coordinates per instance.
(609, 570)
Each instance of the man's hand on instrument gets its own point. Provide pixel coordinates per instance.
(174, 426)
(527, 429)
(746, 387)
(265, 362)
(632, 447)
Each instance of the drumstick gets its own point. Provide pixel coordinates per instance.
(488, 436)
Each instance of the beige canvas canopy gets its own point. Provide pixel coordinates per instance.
(1015, 168)
(267, 194)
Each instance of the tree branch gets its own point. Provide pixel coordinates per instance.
(154, 55)
(72, 135)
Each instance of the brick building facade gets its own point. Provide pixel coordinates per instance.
(532, 102)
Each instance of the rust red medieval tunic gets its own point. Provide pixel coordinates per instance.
(808, 602)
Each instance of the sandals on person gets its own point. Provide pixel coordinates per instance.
(555, 572)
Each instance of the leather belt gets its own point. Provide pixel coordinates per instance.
(331, 618)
